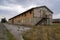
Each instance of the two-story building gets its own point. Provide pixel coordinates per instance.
(34, 16)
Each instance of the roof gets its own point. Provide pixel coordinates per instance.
(31, 9)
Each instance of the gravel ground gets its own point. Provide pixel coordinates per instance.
(2, 35)
(16, 30)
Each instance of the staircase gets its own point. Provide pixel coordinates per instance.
(36, 20)
(40, 20)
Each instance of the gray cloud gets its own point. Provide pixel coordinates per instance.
(8, 14)
(54, 5)
(24, 3)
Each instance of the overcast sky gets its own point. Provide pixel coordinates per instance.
(10, 8)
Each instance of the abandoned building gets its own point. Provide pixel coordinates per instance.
(34, 16)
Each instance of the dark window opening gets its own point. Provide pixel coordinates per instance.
(24, 14)
(30, 12)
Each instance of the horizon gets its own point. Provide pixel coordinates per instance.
(11, 8)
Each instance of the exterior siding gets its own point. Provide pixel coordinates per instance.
(41, 12)
(33, 16)
(23, 19)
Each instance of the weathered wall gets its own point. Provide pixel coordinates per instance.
(10, 21)
(33, 16)
(25, 18)
(42, 12)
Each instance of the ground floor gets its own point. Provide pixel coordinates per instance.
(33, 21)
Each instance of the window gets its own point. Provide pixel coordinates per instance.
(30, 12)
(25, 14)
(21, 14)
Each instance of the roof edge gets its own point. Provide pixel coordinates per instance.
(31, 9)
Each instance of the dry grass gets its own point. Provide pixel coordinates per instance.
(43, 33)
(9, 35)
